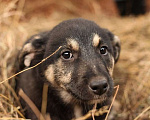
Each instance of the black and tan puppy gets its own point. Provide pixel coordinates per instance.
(79, 74)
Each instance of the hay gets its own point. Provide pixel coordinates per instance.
(132, 72)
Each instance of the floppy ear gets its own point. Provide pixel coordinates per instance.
(116, 47)
(34, 47)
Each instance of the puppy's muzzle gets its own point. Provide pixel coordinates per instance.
(99, 86)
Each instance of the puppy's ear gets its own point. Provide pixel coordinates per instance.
(32, 48)
(116, 47)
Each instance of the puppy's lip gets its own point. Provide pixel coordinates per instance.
(90, 100)
(102, 100)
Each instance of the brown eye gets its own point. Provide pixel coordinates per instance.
(67, 55)
(103, 50)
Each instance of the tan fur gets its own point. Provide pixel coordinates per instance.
(49, 73)
(66, 78)
(37, 37)
(28, 59)
(111, 68)
(67, 98)
(116, 40)
(63, 77)
(73, 44)
(28, 48)
(96, 40)
(77, 111)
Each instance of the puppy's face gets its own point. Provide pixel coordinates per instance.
(82, 69)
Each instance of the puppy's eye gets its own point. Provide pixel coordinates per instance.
(67, 55)
(103, 50)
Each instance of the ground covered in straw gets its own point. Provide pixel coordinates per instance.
(132, 72)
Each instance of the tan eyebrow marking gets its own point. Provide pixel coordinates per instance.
(73, 43)
(96, 40)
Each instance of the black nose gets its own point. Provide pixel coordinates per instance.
(99, 87)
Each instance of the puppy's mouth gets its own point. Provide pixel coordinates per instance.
(101, 99)
(89, 99)
(83, 94)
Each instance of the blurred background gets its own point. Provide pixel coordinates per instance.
(128, 19)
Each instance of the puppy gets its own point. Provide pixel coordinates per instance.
(79, 74)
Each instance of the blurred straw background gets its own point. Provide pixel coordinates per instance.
(21, 18)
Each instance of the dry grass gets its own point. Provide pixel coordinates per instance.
(132, 72)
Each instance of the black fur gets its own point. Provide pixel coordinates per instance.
(87, 65)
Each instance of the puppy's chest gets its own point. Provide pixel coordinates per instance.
(62, 111)
(78, 111)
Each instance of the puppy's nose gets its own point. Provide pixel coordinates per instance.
(99, 87)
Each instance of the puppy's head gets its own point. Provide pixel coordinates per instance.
(82, 69)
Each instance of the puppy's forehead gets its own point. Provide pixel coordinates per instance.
(73, 43)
